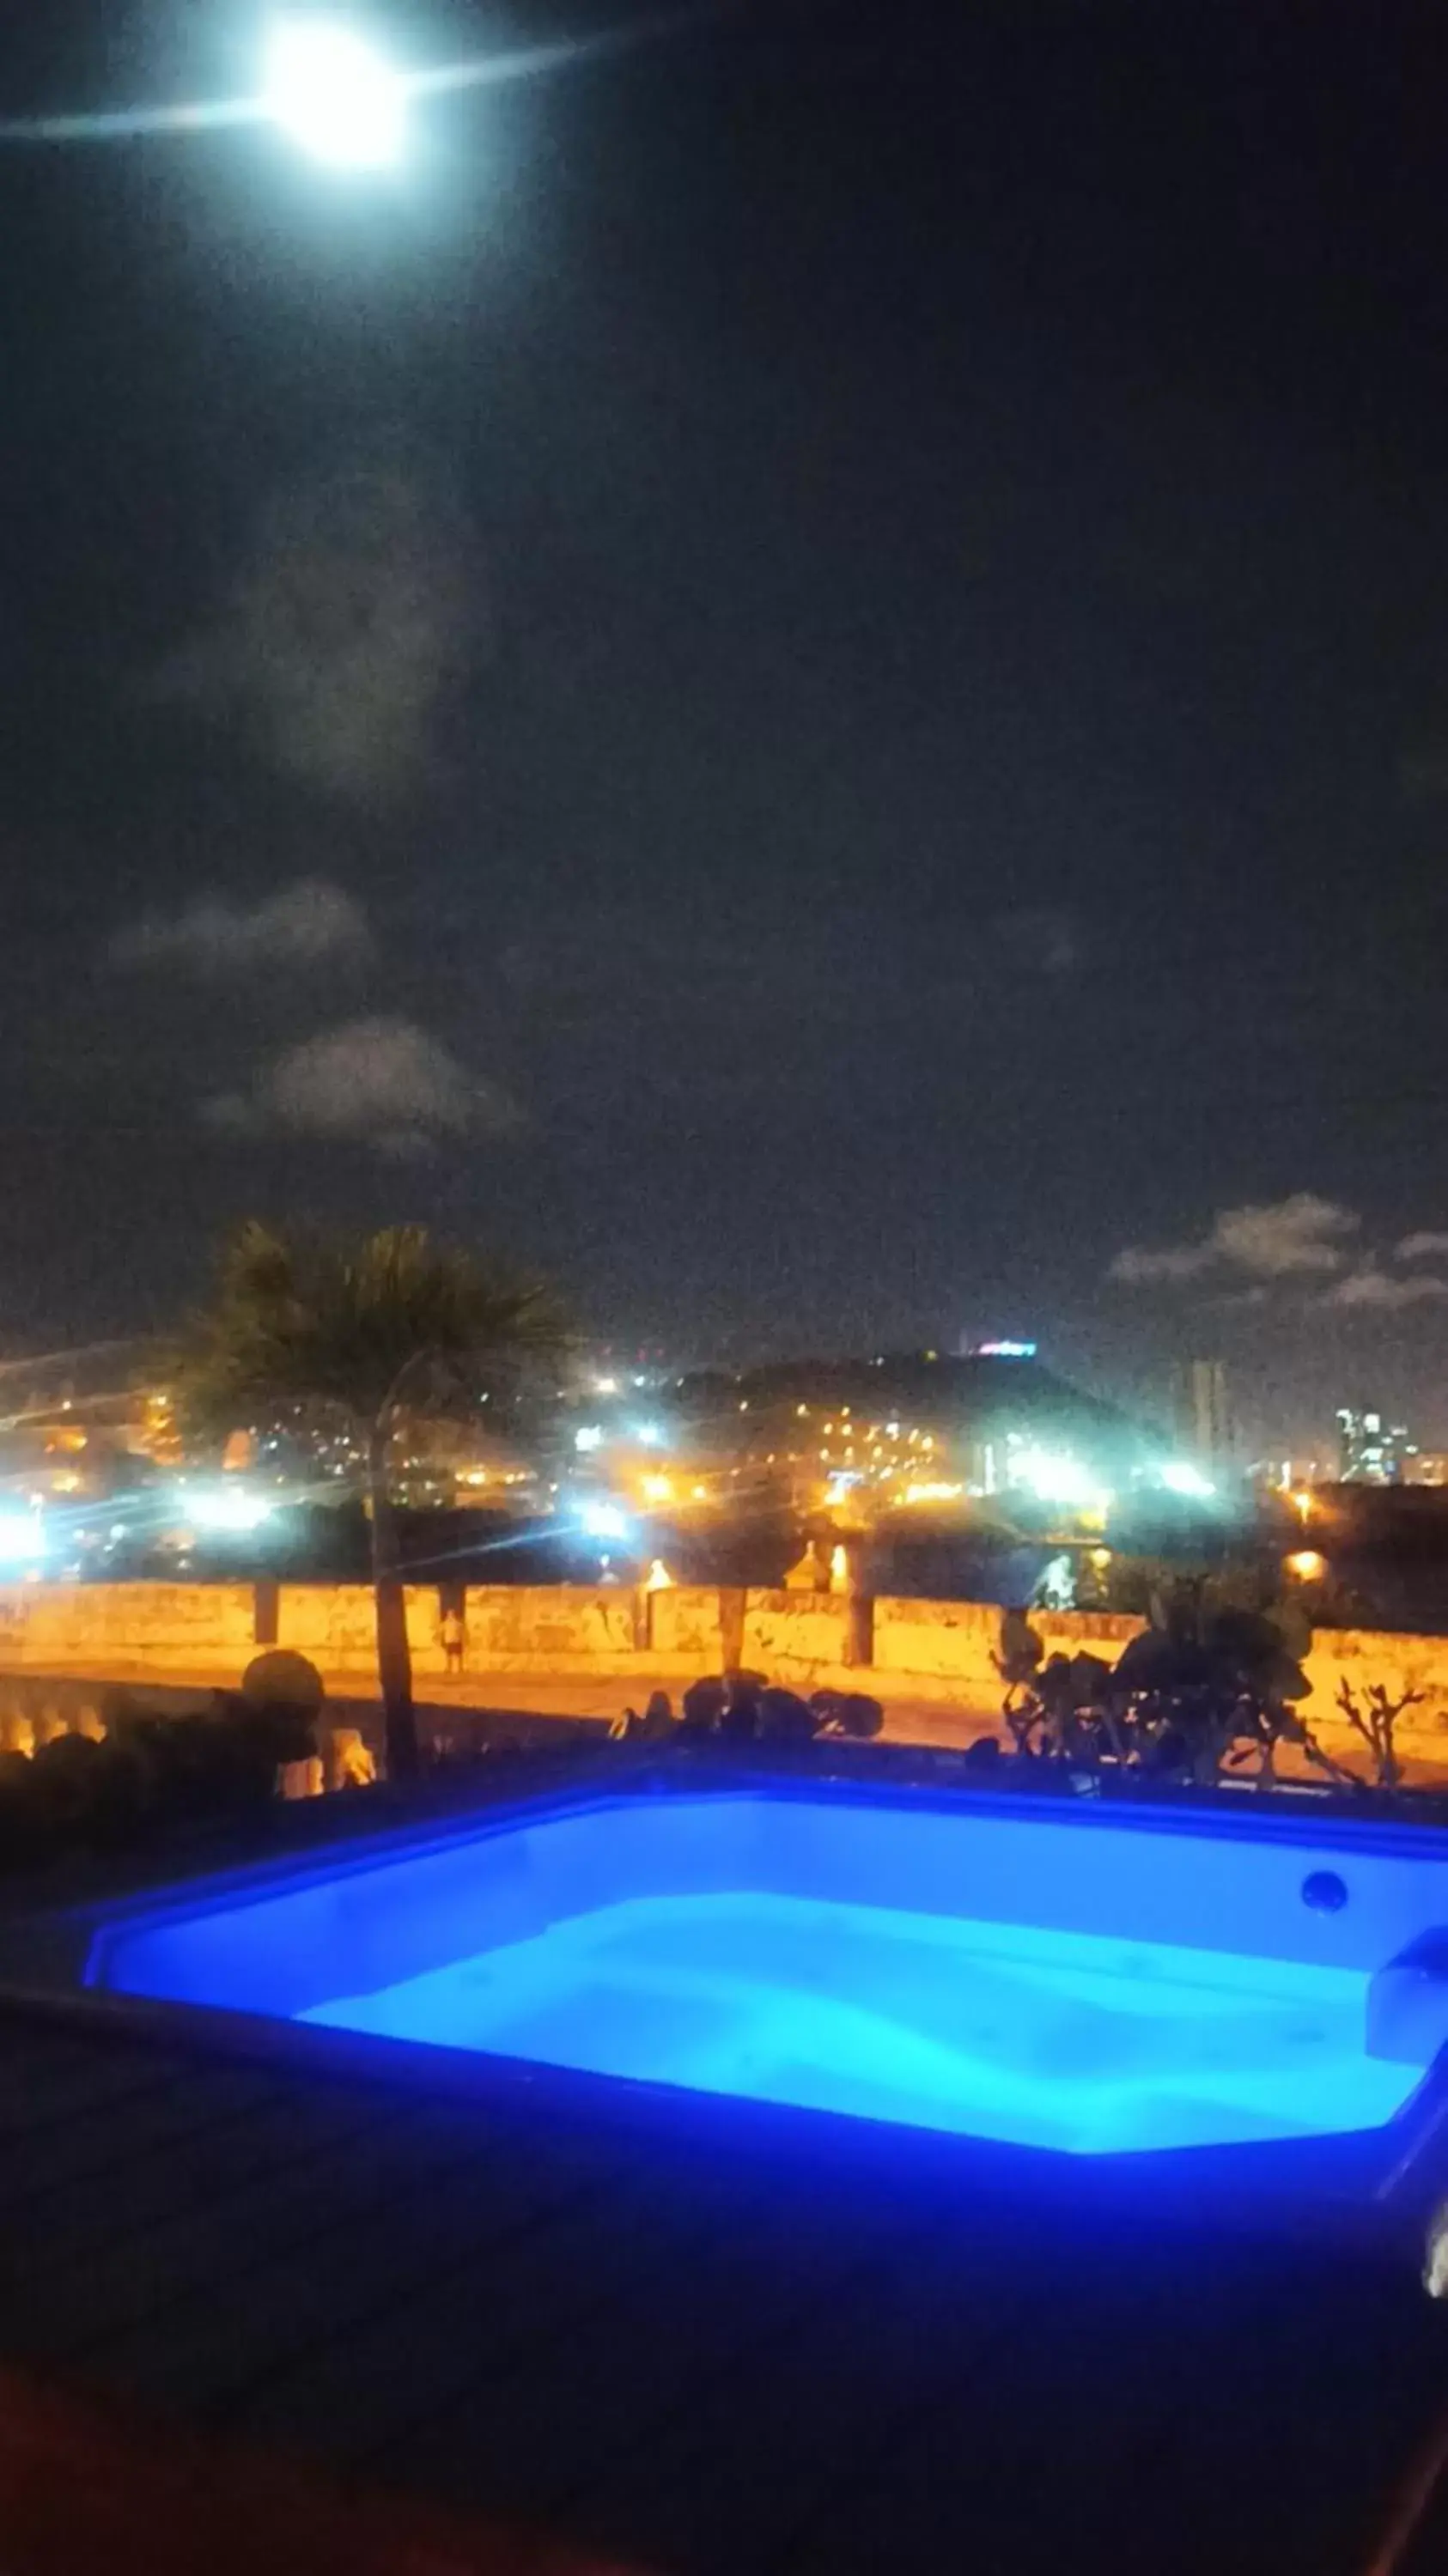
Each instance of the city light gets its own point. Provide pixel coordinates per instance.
(1180, 1477)
(657, 1489)
(1055, 1478)
(1306, 1565)
(335, 94)
(603, 1520)
(227, 1507)
(22, 1540)
(590, 1437)
(649, 1435)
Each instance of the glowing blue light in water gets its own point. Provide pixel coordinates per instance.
(1042, 1977)
(1051, 2039)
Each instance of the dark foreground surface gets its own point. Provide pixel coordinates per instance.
(688, 2360)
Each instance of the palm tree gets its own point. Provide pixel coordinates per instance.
(391, 1320)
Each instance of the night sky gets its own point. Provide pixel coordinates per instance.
(803, 674)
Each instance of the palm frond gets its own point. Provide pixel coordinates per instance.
(396, 1315)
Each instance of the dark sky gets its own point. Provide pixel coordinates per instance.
(803, 674)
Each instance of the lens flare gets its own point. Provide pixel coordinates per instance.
(335, 95)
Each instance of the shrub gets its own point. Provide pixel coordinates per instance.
(149, 1775)
(1210, 1686)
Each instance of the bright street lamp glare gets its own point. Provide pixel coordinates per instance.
(335, 94)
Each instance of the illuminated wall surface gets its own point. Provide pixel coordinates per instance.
(1075, 1984)
(906, 1650)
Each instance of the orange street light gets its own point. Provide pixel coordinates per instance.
(1306, 1566)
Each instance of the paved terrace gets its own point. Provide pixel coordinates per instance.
(908, 1718)
(252, 2314)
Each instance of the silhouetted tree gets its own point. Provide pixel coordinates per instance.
(394, 1319)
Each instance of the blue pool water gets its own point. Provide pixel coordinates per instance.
(1040, 2039)
(1044, 1976)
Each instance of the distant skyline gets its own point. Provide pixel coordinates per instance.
(802, 675)
(1260, 1417)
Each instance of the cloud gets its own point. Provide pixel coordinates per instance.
(1297, 1234)
(1291, 1238)
(1420, 1247)
(1369, 1286)
(1135, 1267)
(379, 1082)
(310, 923)
(343, 632)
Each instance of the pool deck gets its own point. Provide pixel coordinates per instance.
(659, 2352)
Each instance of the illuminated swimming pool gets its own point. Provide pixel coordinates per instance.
(1038, 1975)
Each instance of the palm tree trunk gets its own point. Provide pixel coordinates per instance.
(394, 1654)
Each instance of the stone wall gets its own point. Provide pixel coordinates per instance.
(946, 1649)
(795, 1631)
(939, 1652)
(687, 1628)
(1362, 1657)
(944, 1641)
(181, 1624)
(569, 1628)
(333, 1624)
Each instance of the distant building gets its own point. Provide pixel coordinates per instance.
(1291, 1475)
(918, 1429)
(1200, 1419)
(1370, 1450)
